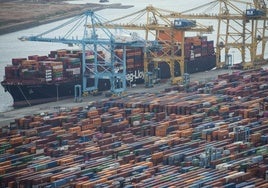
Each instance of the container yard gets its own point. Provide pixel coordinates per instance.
(174, 131)
(213, 134)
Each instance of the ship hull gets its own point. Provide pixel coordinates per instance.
(32, 94)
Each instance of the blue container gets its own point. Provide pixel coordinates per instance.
(244, 184)
(70, 178)
(195, 185)
(58, 183)
(170, 129)
(112, 177)
(129, 186)
(255, 124)
(89, 175)
(54, 144)
(117, 120)
(82, 114)
(78, 158)
(45, 133)
(136, 145)
(162, 148)
(257, 159)
(116, 144)
(84, 139)
(52, 164)
(139, 169)
(229, 185)
(264, 139)
(64, 142)
(237, 118)
(94, 179)
(185, 169)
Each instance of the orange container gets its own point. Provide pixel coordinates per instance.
(86, 132)
(157, 155)
(165, 35)
(16, 140)
(5, 163)
(186, 132)
(113, 109)
(54, 129)
(76, 129)
(184, 126)
(11, 151)
(93, 113)
(65, 160)
(96, 122)
(11, 184)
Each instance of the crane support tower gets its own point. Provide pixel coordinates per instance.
(242, 29)
(99, 60)
(164, 38)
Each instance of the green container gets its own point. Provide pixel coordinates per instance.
(196, 162)
(27, 158)
(5, 145)
(148, 116)
(40, 167)
(17, 163)
(2, 151)
(87, 171)
(196, 135)
(243, 166)
(193, 168)
(135, 118)
(123, 153)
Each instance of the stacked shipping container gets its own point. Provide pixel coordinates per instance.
(210, 137)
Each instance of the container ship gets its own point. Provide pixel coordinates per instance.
(40, 79)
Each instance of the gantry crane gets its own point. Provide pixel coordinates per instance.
(167, 37)
(108, 66)
(244, 29)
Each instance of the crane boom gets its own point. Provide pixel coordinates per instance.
(156, 25)
(236, 28)
(75, 32)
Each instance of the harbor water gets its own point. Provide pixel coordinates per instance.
(12, 47)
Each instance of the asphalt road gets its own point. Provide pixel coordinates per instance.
(10, 116)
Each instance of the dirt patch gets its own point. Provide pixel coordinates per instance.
(17, 15)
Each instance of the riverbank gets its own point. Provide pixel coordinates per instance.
(18, 15)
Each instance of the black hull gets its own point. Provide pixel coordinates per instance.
(199, 64)
(27, 95)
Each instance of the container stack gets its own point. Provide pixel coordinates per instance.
(57, 66)
(213, 136)
(134, 57)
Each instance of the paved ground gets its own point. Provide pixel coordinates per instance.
(10, 116)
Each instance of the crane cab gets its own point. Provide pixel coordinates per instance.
(254, 13)
(182, 23)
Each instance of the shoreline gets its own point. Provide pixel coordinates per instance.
(42, 13)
